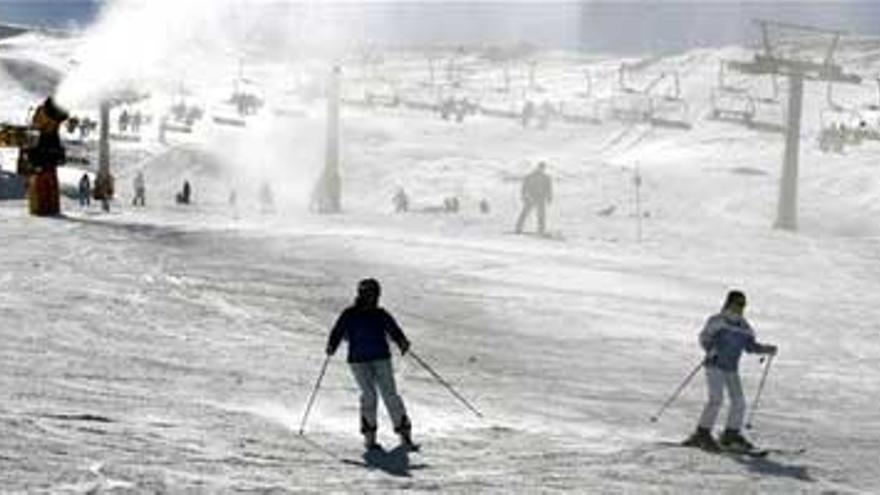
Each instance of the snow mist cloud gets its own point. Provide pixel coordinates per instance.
(206, 49)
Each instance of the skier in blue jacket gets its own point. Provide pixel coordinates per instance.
(724, 338)
(365, 325)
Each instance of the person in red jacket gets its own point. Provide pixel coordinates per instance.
(366, 326)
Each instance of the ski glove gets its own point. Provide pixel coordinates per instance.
(770, 349)
(404, 346)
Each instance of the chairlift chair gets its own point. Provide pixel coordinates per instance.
(731, 103)
(630, 105)
(670, 109)
(769, 110)
(839, 125)
(722, 82)
(586, 109)
(732, 107)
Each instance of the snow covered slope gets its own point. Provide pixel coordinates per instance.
(172, 349)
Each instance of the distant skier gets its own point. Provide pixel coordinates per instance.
(267, 199)
(163, 126)
(183, 197)
(724, 338)
(71, 125)
(139, 190)
(124, 119)
(401, 201)
(484, 206)
(447, 107)
(365, 325)
(85, 190)
(537, 193)
(451, 204)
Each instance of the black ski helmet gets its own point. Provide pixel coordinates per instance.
(737, 297)
(369, 289)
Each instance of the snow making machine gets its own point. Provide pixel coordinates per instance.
(39, 153)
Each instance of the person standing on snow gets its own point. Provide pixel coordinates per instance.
(139, 190)
(85, 190)
(365, 325)
(724, 338)
(537, 192)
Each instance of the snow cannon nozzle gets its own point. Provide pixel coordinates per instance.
(53, 111)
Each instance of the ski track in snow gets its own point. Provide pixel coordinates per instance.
(172, 350)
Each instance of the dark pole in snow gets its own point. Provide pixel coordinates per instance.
(758, 393)
(445, 384)
(329, 188)
(103, 190)
(302, 425)
(677, 392)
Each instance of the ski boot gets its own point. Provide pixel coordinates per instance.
(733, 440)
(702, 439)
(370, 440)
(405, 432)
(369, 432)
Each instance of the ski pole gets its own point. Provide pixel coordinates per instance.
(445, 384)
(677, 392)
(302, 424)
(758, 393)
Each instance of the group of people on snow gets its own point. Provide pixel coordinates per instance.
(536, 193)
(84, 190)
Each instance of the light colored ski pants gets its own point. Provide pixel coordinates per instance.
(369, 376)
(716, 380)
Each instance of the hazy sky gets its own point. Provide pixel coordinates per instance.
(619, 26)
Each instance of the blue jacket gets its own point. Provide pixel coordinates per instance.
(724, 338)
(365, 328)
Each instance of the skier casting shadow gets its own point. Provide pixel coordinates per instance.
(724, 338)
(365, 325)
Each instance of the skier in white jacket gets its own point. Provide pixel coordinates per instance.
(724, 338)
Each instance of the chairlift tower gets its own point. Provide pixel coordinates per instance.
(786, 59)
(329, 188)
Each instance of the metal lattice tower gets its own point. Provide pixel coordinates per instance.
(790, 50)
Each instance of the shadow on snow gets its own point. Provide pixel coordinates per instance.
(769, 467)
(394, 462)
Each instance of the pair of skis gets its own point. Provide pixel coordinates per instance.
(758, 452)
